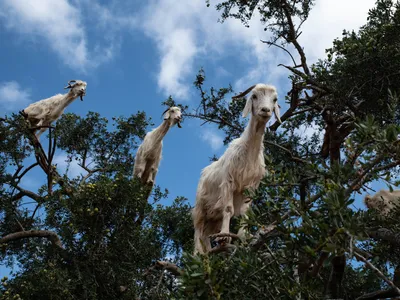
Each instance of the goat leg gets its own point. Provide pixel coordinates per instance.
(226, 203)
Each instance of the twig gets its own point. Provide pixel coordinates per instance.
(284, 49)
(377, 271)
(294, 158)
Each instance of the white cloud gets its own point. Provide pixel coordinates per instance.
(56, 21)
(212, 138)
(12, 95)
(63, 164)
(202, 37)
(176, 62)
(327, 20)
(188, 32)
(61, 26)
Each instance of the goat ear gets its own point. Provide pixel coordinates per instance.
(248, 107)
(166, 114)
(277, 112)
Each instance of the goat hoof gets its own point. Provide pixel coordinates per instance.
(223, 240)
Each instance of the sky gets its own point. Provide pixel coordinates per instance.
(134, 54)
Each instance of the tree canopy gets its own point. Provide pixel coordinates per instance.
(105, 236)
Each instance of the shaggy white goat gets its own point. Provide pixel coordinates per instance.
(46, 111)
(148, 156)
(222, 183)
(383, 201)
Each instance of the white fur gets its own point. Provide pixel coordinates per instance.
(46, 111)
(222, 183)
(383, 201)
(149, 154)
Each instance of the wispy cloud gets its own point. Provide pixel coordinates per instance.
(12, 95)
(212, 138)
(190, 32)
(61, 25)
(66, 166)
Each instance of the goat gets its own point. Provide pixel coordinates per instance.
(383, 201)
(149, 154)
(222, 183)
(46, 111)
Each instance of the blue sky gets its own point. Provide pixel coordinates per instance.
(134, 54)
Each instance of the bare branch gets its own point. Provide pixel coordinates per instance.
(294, 158)
(284, 49)
(377, 271)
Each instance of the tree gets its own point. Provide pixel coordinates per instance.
(305, 231)
(305, 234)
(99, 233)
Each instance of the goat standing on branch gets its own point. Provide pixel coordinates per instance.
(46, 111)
(149, 154)
(221, 186)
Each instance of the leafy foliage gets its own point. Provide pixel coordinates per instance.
(102, 235)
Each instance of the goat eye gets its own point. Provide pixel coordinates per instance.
(254, 97)
(276, 99)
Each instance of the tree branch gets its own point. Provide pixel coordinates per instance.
(50, 235)
(377, 271)
(165, 265)
(385, 235)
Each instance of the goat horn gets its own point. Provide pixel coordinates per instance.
(165, 111)
(243, 93)
(69, 84)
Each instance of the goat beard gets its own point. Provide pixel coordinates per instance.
(81, 95)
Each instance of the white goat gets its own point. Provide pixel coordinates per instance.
(46, 111)
(383, 201)
(222, 183)
(148, 156)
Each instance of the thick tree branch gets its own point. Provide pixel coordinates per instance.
(385, 235)
(262, 235)
(50, 235)
(23, 192)
(165, 265)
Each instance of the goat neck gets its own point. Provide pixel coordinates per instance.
(68, 98)
(254, 132)
(161, 131)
